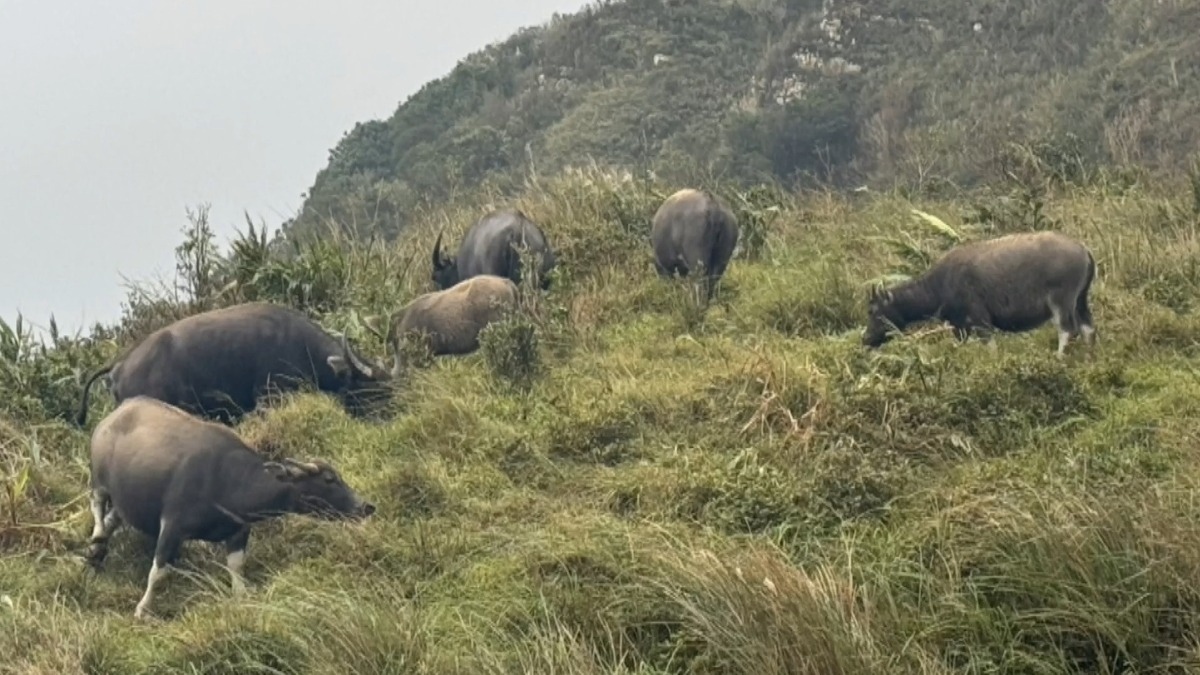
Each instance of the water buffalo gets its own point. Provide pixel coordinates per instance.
(218, 363)
(1013, 283)
(694, 231)
(452, 318)
(490, 247)
(177, 478)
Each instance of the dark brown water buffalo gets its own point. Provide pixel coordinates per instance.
(177, 478)
(452, 318)
(694, 231)
(1013, 284)
(218, 363)
(490, 247)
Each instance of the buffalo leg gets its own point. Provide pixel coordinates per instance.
(1083, 316)
(1088, 331)
(987, 334)
(965, 329)
(165, 553)
(105, 522)
(710, 287)
(974, 320)
(99, 510)
(962, 320)
(1064, 319)
(235, 559)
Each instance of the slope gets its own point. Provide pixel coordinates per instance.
(745, 492)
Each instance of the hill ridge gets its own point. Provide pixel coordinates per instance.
(929, 95)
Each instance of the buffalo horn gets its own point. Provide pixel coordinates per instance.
(306, 467)
(358, 364)
(437, 251)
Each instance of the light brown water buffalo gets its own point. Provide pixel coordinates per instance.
(217, 364)
(452, 318)
(1013, 284)
(176, 477)
(694, 232)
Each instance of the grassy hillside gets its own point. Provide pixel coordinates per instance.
(748, 491)
(924, 94)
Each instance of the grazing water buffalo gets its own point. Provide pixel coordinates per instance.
(490, 247)
(1013, 283)
(216, 364)
(452, 318)
(179, 478)
(694, 231)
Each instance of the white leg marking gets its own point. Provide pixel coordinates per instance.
(111, 522)
(1089, 334)
(235, 561)
(97, 514)
(156, 575)
(1064, 336)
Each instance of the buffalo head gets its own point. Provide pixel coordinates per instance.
(322, 492)
(362, 384)
(445, 268)
(882, 316)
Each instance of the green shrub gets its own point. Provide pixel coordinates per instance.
(510, 349)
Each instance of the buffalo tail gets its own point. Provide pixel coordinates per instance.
(81, 418)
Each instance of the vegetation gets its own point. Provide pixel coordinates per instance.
(924, 94)
(614, 483)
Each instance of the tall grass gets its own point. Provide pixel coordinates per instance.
(615, 485)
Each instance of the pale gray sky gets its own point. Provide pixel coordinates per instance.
(115, 116)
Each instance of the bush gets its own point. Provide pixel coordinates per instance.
(510, 349)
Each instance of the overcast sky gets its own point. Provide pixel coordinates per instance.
(116, 116)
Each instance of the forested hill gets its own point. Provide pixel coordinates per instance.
(837, 91)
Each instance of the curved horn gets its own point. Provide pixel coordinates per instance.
(437, 251)
(354, 360)
(306, 467)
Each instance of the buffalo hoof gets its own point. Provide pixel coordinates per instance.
(96, 554)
